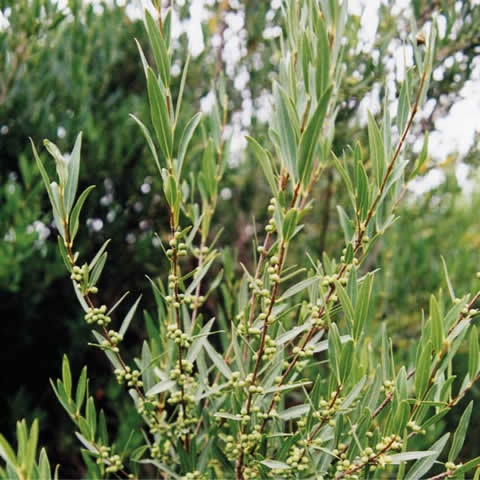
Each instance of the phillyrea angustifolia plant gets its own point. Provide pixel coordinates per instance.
(281, 381)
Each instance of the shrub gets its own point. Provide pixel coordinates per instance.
(268, 370)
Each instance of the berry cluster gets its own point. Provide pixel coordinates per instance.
(127, 375)
(98, 316)
(179, 337)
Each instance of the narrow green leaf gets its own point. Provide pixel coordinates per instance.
(346, 359)
(128, 317)
(447, 279)
(74, 217)
(44, 470)
(66, 376)
(294, 412)
(159, 48)
(182, 88)
(403, 108)
(217, 360)
(377, 150)
(423, 465)
(322, 68)
(81, 389)
(421, 159)
(64, 253)
(460, 433)
(285, 387)
(198, 277)
(438, 334)
(309, 139)
(98, 255)
(187, 135)
(467, 466)
(160, 387)
(150, 143)
(298, 287)
(200, 339)
(398, 458)
(228, 416)
(265, 163)
(7, 453)
(289, 224)
(422, 371)
(473, 354)
(45, 178)
(31, 449)
(346, 224)
(60, 162)
(343, 173)
(159, 113)
(361, 307)
(345, 302)
(287, 135)
(91, 416)
(97, 270)
(73, 172)
(275, 464)
(401, 417)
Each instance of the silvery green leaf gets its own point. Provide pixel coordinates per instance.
(294, 412)
(282, 388)
(159, 113)
(187, 135)
(75, 216)
(265, 162)
(275, 464)
(377, 149)
(149, 140)
(60, 162)
(423, 465)
(473, 354)
(398, 458)
(159, 48)
(73, 172)
(128, 317)
(217, 360)
(160, 387)
(460, 433)
(199, 341)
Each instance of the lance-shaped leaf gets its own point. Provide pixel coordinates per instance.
(286, 135)
(460, 433)
(150, 143)
(187, 135)
(473, 354)
(422, 371)
(308, 142)
(73, 168)
(60, 162)
(265, 163)
(74, 218)
(361, 307)
(403, 107)
(128, 317)
(322, 68)
(159, 113)
(423, 465)
(159, 48)
(45, 178)
(377, 150)
(438, 334)
(289, 224)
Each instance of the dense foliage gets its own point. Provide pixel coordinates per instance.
(271, 372)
